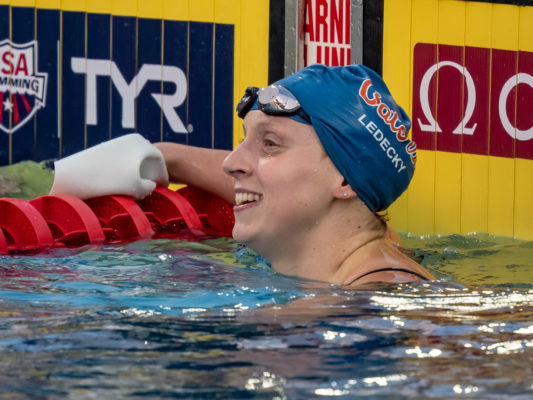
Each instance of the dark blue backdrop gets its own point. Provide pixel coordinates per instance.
(204, 52)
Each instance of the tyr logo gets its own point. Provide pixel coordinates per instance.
(22, 86)
(130, 91)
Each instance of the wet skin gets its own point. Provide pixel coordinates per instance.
(284, 163)
(291, 208)
(290, 205)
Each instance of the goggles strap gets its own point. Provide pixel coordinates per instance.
(247, 101)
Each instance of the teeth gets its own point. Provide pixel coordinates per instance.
(246, 197)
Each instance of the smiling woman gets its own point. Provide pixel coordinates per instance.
(324, 150)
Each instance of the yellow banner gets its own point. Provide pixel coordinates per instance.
(464, 72)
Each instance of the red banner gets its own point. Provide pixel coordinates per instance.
(327, 32)
(473, 100)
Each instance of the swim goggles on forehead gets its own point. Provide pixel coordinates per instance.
(272, 100)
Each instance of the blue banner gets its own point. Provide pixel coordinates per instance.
(104, 76)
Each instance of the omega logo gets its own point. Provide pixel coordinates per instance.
(509, 85)
(433, 125)
(473, 100)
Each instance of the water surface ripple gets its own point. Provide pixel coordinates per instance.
(175, 319)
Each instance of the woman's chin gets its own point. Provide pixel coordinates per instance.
(240, 235)
(248, 239)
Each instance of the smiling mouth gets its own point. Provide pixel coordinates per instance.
(246, 198)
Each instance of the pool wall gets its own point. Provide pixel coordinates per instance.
(75, 73)
(464, 72)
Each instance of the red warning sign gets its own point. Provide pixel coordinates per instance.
(327, 32)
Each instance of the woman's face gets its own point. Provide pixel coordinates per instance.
(283, 182)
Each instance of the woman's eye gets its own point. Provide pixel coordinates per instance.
(270, 143)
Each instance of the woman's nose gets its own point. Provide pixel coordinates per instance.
(236, 163)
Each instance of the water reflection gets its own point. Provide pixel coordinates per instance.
(159, 319)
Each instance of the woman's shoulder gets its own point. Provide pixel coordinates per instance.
(391, 275)
(386, 262)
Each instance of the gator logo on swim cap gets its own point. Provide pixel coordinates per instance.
(390, 117)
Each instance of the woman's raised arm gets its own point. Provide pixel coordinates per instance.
(197, 166)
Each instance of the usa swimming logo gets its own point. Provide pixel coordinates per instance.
(22, 86)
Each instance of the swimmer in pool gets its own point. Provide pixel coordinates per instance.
(325, 150)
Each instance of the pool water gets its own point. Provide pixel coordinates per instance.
(177, 319)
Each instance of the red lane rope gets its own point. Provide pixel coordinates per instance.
(70, 220)
(3, 243)
(23, 226)
(64, 220)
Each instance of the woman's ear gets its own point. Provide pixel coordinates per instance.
(344, 191)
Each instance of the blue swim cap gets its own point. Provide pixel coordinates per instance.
(361, 127)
